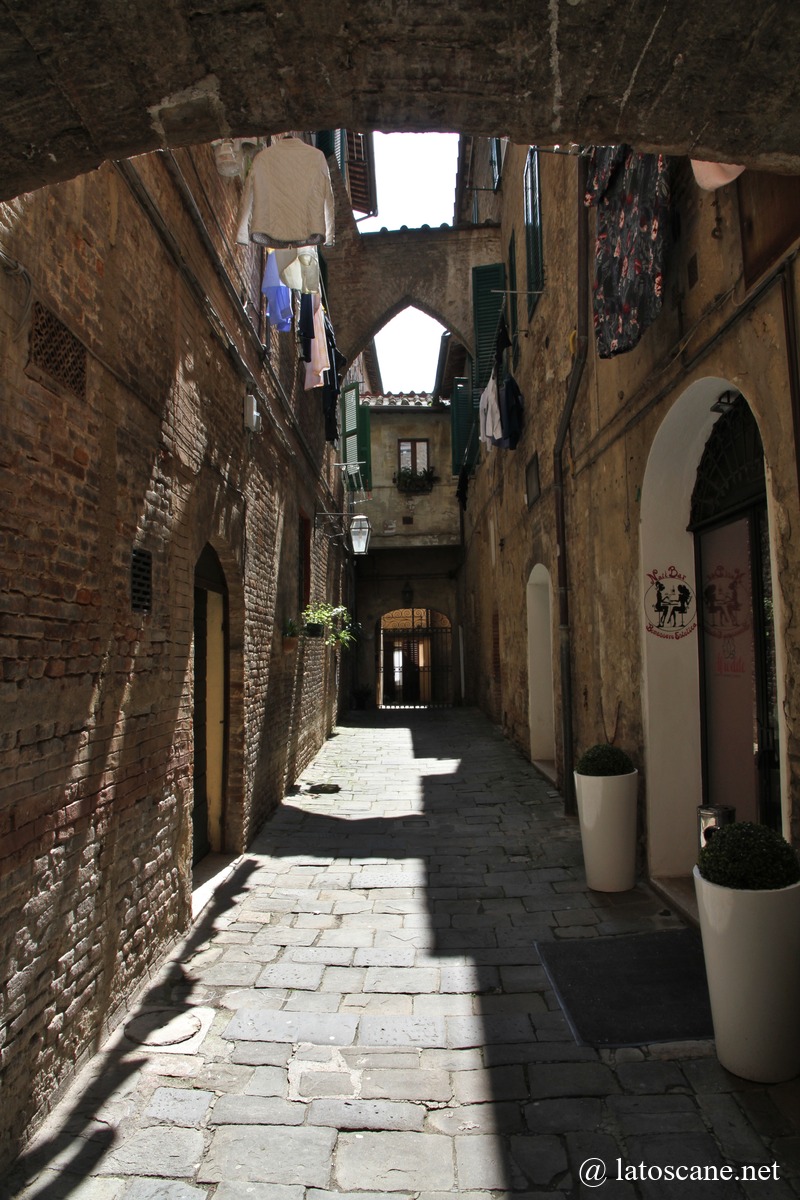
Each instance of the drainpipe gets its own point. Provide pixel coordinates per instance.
(578, 363)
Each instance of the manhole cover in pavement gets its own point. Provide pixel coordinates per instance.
(163, 1027)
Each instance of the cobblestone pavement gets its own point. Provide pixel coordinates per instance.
(361, 1012)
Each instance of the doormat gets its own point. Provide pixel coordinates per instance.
(627, 991)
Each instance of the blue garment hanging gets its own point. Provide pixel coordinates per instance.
(279, 297)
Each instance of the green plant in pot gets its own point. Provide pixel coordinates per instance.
(606, 786)
(747, 882)
(604, 759)
(331, 622)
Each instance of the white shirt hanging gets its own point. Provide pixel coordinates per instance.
(288, 198)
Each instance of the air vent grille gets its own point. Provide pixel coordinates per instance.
(57, 352)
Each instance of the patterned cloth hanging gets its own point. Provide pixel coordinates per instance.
(632, 196)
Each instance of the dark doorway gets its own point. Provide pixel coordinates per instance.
(210, 715)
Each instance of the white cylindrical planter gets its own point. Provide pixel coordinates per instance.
(607, 814)
(751, 945)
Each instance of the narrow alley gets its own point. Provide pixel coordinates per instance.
(362, 1008)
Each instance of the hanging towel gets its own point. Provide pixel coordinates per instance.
(462, 487)
(287, 198)
(319, 349)
(305, 326)
(631, 193)
(279, 297)
(489, 422)
(331, 384)
(509, 399)
(299, 268)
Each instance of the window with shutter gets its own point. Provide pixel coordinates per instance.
(463, 425)
(356, 452)
(488, 298)
(533, 229)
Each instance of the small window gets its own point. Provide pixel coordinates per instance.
(412, 454)
(533, 230)
(141, 580)
(496, 158)
(513, 310)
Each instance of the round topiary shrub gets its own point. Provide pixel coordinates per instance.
(604, 759)
(748, 857)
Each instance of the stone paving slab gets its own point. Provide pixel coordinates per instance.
(367, 1016)
(270, 1154)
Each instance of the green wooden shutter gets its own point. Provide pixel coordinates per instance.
(356, 451)
(488, 298)
(463, 425)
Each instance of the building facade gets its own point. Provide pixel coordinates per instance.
(637, 541)
(164, 471)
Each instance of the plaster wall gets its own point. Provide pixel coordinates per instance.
(401, 519)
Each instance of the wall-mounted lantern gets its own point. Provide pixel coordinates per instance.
(360, 530)
(407, 595)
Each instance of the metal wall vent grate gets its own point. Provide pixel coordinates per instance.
(141, 580)
(57, 352)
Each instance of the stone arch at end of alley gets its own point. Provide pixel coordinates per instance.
(375, 276)
(415, 659)
(76, 92)
(670, 656)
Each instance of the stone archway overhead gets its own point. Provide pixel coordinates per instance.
(78, 86)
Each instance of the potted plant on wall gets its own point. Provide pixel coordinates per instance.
(606, 785)
(332, 622)
(747, 881)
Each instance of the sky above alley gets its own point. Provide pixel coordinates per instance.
(416, 178)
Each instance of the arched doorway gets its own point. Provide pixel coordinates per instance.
(738, 677)
(541, 719)
(414, 666)
(210, 713)
(675, 705)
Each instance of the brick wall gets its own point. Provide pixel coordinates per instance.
(131, 435)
